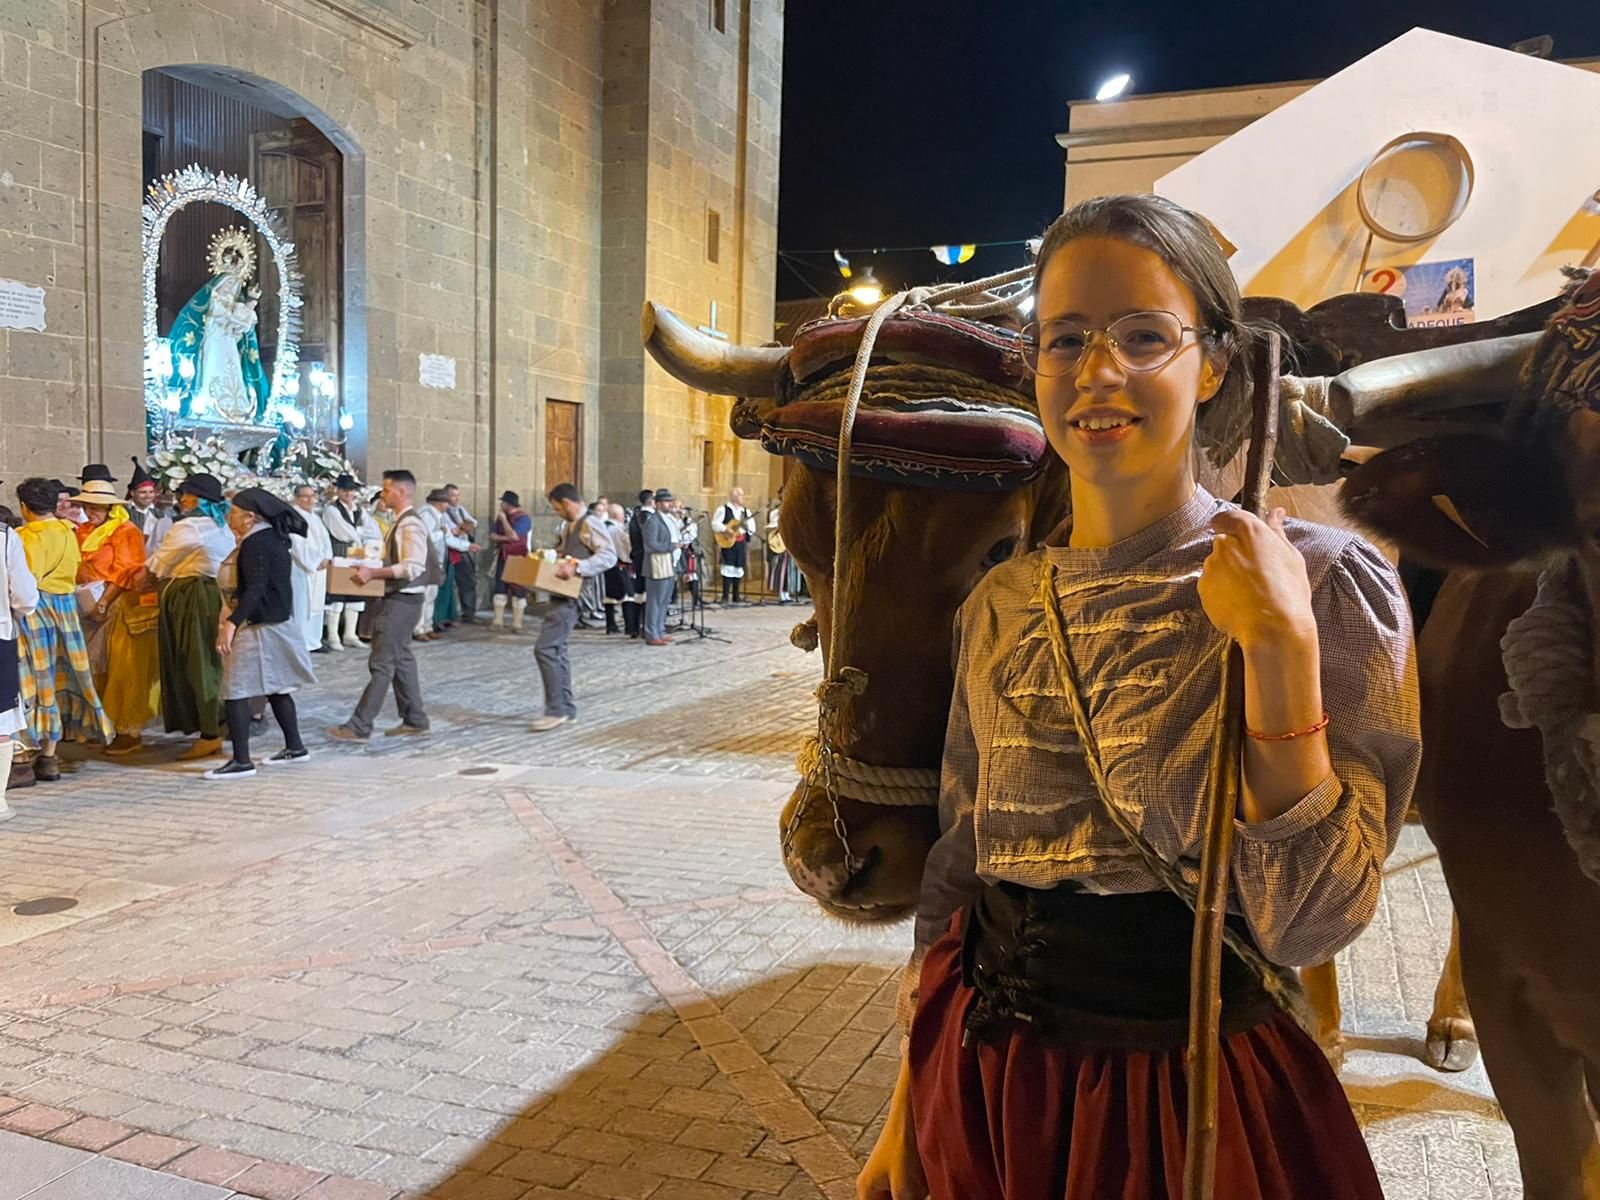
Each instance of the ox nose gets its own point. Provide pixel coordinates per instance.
(821, 881)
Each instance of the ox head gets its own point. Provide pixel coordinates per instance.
(1514, 478)
(950, 475)
(1526, 493)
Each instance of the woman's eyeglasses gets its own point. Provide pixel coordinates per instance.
(1141, 341)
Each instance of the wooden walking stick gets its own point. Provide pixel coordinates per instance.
(1222, 804)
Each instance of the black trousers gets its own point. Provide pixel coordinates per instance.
(736, 555)
(239, 723)
(467, 586)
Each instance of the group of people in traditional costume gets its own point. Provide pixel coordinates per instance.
(204, 612)
(121, 610)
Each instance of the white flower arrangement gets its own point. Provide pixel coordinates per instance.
(187, 455)
(317, 464)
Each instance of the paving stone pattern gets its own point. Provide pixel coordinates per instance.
(577, 971)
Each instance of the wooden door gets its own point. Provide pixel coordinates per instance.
(563, 429)
(301, 174)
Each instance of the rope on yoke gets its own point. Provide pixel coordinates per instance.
(896, 787)
(1548, 653)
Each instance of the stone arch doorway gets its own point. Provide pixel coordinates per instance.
(227, 45)
(310, 172)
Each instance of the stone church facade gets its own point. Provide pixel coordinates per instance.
(518, 176)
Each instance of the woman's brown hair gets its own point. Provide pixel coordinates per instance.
(1185, 242)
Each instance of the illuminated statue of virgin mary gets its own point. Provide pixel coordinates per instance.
(216, 332)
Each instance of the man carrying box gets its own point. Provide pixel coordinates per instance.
(586, 551)
(409, 566)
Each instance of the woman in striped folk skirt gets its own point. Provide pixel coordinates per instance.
(57, 682)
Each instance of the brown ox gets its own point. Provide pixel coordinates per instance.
(940, 493)
(1513, 808)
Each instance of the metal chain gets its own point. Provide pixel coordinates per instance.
(825, 774)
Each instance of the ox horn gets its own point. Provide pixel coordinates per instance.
(705, 362)
(1390, 399)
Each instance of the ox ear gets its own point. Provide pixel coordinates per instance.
(1479, 500)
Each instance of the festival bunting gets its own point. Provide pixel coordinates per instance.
(951, 256)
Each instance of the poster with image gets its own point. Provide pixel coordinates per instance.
(1434, 293)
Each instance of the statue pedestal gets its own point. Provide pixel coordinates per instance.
(236, 437)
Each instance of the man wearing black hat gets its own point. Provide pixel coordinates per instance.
(151, 520)
(661, 576)
(354, 534)
(512, 528)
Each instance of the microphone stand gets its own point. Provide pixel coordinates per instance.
(693, 615)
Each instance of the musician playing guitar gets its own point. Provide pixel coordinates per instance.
(732, 523)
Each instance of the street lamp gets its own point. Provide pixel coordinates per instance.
(1114, 86)
(867, 291)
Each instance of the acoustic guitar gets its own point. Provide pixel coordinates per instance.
(728, 536)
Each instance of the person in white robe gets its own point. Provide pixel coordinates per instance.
(310, 555)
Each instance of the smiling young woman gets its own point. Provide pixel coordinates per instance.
(1045, 1003)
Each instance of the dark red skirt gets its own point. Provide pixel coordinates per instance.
(1017, 1117)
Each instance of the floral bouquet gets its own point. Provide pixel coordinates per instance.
(318, 465)
(188, 455)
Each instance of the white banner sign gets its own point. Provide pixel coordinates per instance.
(437, 371)
(21, 306)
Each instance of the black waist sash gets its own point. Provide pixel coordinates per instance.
(1104, 971)
(10, 677)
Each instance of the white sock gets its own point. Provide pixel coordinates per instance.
(7, 751)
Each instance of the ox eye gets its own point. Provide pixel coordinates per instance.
(999, 553)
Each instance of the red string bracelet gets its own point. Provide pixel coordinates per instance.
(1289, 737)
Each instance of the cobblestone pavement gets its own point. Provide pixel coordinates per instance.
(492, 966)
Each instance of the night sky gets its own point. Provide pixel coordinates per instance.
(916, 122)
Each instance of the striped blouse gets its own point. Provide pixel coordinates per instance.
(1016, 800)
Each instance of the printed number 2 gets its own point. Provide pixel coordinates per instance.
(1383, 279)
